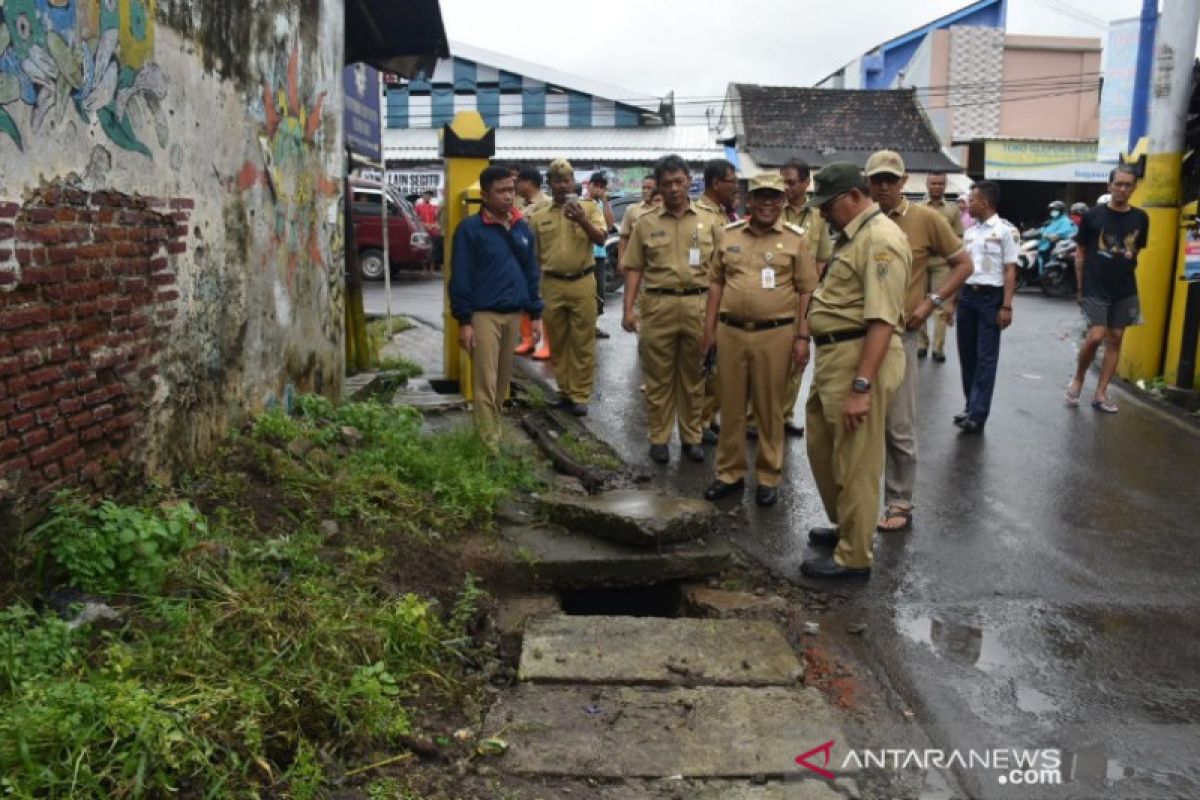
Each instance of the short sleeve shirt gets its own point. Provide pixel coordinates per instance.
(718, 214)
(866, 278)
(808, 220)
(631, 216)
(660, 246)
(564, 246)
(743, 257)
(991, 244)
(1111, 241)
(952, 215)
(929, 234)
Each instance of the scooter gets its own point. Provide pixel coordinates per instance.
(1058, 273)
(1027, 258)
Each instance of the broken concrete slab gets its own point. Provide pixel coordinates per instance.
(642, 732)
(657, 652)
(552, 556)
(803, 788)
(512, 614)
(422, 395)
(633, 516)
(724, 604)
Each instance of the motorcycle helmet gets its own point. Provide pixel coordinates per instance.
(1103, 199)
(1079, 208)
(1057, 205)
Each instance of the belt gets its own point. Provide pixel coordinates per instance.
(679, 292)
(573, 276)
(838, 336)
(981, 287)
(753, 324)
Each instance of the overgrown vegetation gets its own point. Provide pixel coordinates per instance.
(265, 644)
(587, 450)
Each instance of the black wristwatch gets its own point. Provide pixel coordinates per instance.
(861, 385)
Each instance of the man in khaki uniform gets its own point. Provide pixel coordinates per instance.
(649, 186)
(670, 252)
(720, 188)
(762, 280)
(565, 234)
(854, 319)
(928, 234)
(797, 211)
(529, 190)
(939, 268)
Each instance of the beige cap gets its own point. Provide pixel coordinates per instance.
(560, 166)
(885, 162)
(767, 180)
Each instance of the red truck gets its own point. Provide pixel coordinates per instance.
(409, 244)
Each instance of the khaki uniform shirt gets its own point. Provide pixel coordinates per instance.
(705, 204)
(952, 215)
(564, 246)
(534, 203)
(866, 277)
(631, 216)
(659, 245)
(743, 256)
(808, 219)
(928, 235)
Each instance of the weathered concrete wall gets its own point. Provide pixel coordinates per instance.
(170, 229)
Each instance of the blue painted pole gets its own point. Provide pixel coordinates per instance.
(1145, 65)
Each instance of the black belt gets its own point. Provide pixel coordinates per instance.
(754, 324)
(981, 287)
(573, 276)
(838, 336)
(679, 292)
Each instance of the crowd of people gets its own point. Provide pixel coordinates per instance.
(729, 312)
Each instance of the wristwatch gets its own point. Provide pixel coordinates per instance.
(861, 385)
(936, 299)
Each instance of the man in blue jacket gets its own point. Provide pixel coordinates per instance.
(494, 279)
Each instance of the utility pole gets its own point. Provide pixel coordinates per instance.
(1141, 81)
(1158, 191)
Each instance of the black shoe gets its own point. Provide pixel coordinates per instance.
(766, 496)
(922, 352)
(939, 357)
(826, 567)
(719, 489)
(660, 453)
(579, 409)
(823, 537)
(565, 403)
(960, 418)
(693, 452)
(602, 334)
(708, 437)
(793, 430)
(714, 426)
(751, 432)
(971, 426)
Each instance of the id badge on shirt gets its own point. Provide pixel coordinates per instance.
(693, 256)
(768, 278)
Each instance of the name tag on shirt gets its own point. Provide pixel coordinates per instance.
(768, 278)
(693, 256)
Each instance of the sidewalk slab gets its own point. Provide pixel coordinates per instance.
(657, 652)
(640, 732)
(552, 556)
(801, 789)
(634, 516)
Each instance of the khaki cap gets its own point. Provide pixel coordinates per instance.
(560, 166)
(770, 181)
(834, 179)
(885, 162)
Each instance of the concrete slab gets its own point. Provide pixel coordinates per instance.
(724, 604)
(800, 789)
(634, 516)
(551, 556)
(640, 732)
(657, 652)
(512, 614)
(420, 394)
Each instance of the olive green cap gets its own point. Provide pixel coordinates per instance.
(834, 179)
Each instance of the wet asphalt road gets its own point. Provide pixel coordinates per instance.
(1047, 595)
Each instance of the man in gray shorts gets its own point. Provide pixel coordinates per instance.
(1109, 239)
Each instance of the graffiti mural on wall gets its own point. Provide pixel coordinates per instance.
(89, 58)
(292, 171)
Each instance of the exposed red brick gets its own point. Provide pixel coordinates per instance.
(52, 471)
(80, 420)
(183, 202)
(100, 413)
(44, 274)
(15, 467)
(74, 460)
(8, 210)
(7, 447)
(175, 248)
(30, 400)
(55, 451)
(22, 422)
(35, 438)
(10, 366)
(39, 215)
(70, 405)
(6, 230)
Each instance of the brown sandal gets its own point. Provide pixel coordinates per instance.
(895, 512)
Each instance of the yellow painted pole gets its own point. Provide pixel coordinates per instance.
(466, 145)
(1145, 345)
(1178, 307)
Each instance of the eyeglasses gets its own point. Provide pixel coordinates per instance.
(828, 204)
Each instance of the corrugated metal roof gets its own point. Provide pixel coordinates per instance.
(692, 142)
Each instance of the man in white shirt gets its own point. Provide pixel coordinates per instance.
(985, 303)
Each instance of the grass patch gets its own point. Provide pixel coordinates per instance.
(281, 623)
(590, 451)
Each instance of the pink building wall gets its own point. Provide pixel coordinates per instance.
(1065, 105)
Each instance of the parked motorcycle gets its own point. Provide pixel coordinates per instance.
(1058, 273)
(1027, 256)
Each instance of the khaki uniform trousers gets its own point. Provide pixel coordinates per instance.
(570, 322)
(937, 276)
(900, 477)
(847, 466)
(669, 347)
(712, 399)
(491, 368)
(753, 366)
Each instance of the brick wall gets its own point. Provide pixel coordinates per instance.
(87, 296)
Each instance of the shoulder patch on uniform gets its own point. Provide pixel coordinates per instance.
(883, 263)
(794, 228)
(733, 225)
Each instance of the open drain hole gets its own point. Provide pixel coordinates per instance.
(444, 385)
(660, 600)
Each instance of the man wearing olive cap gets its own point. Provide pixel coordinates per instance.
(855, 317)
(565, 234)
(758, 298)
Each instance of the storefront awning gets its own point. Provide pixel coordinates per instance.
(1043, 160)
(400, 36)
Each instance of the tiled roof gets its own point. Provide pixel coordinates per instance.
(824, 125)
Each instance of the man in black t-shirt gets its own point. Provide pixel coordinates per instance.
(1109, 239)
